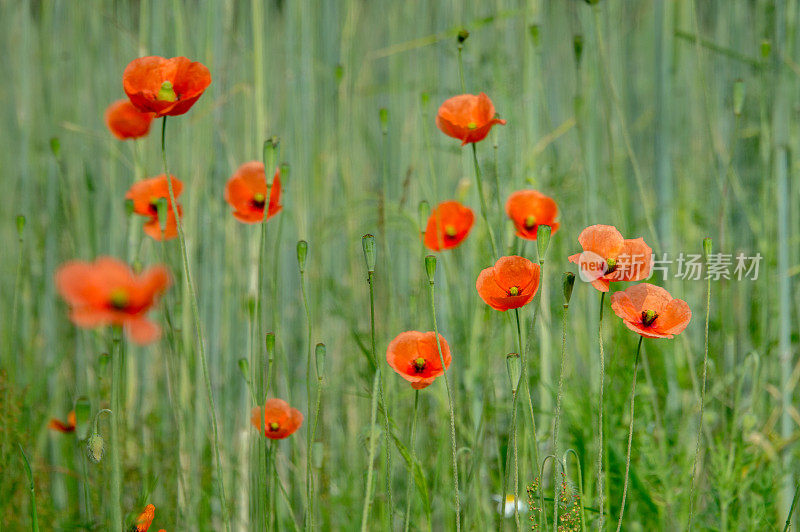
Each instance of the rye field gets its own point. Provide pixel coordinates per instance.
(380, 265)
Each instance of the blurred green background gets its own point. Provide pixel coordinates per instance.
(673, 120)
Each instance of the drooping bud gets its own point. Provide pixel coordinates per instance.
(462, 36)
(302, 252)
(95, 447)
(543, 241)
(738, 96)
(244, 369)
(368, 246)
(320, 353)
(166, 93)
(430, 267)
(568, 284)
(514, 367)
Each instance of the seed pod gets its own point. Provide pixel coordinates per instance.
(368, 245)
(302, 252)
(569, 284)
(430, 267)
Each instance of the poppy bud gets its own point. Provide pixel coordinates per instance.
(83, 412)
(463, 35)
(244, 368)
(534, 31)
(270, 344)
(514, 367)
(577, 47)
(430, 267)
(302, 251)
(766, 48)
(368, 245)
(707, 247)
(424, 210)
(738, 96)
(543, 240)
(20, 225)
(569, 284)
(95, 447)
(383, 113)
(319, 357)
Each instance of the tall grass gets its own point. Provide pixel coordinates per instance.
(624, 112)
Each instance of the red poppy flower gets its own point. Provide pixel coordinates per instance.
(60, 426)
(415, 356)
(145, 519)
(145, 195)
(651, 311)
(510, 283)
(529, 209)
(448, 225)
(166, 87)
(608, 257)
(246, 192)
(107, 292)
(280, 420)
(467, 117)
(125, 121)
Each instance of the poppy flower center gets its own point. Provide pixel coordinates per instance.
(450, 231)
(166, 93)
(419, 364)
(259, 200)
(472, 125)
(611, 265)
(513, 291)
(648, 317)
(153, 205)
(530, 221)
(119, 299)
(274, 426)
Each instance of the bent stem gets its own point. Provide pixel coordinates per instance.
(198, 327)
(600, 478)
(431, 290)
(117, 370)
(413, 459)
(630, 434)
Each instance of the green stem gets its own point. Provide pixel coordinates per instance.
(484, 209)
(32, 488)
(117, 371)
(557, 419)
(372, 449)
(309, 478)
(512, 434)
(630, 435)
(600, 478)
(413, 459)
(516, 458)
(450, 404)
(198, 327)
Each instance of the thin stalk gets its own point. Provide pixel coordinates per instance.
(309, 479)
(198, 326)
(630, 434)
(557, 419)
(117, 371)
(484, 209)
(702, 404)
(15, 304)
(788, 517)
(512, 433)
(600, 478)
(32, 488)
(461, 68)
(580, 484)
(372, 450)
(516, 459)
(413, 459)
(450, 404)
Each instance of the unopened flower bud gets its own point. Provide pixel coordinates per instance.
(368, 245)
(430, 267)
(543, 241)
(95, 447)
(302, 253)
(569, 284)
